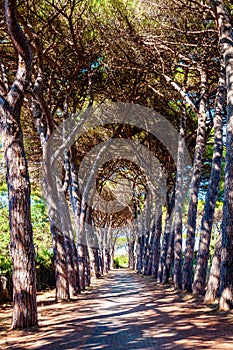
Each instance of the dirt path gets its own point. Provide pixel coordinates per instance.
(124, 311)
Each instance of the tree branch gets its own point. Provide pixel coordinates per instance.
(18, 37)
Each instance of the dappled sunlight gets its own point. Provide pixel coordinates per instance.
(124, 311)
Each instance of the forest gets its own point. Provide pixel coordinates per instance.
(116, 122)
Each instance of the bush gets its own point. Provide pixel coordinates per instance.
(121, 261)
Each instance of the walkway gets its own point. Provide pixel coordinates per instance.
(125, 312)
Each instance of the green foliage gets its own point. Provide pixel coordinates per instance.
(121, 261)
(41, 227)
(5, 261)
(41, 231)
(44, 258)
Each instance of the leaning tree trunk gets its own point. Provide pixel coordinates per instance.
(212, 192)
(226, 272)
(195, 184)
(52, 197)
(45, 126)
(21, 247)
(44, 129)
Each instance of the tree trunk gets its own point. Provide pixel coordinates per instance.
(68, 242)
(21, 236)
(21, 246)
(195, 184)
(212, 291)
(156, 241)
(82, 265)
(61, 278)
(140, 245)
(148, 270)
(80, 253)
(87, 267)
(43, 123)
(179, 204)
(71, 250)
(106, 260)
(226, 272)
(131, 248)
(94, 262)
(165, 243)
(166, 239)
(146, 254)
(112, 258)
(169, 259)
(52, 198)
(75, 200)
(212, 193)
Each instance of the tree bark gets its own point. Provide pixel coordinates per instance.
(94, 262)
(146, 254)
(169, 259)
(156, 241)
(43, 130)
(148, 265)
(21, 235)
(195, 184)
(140, 245)
(179, 204)
(212, 291)
(131, 248)
(70, 246)
(166, 239)
(44, 125)
(212, 192)
(226, 272)
(75, 199)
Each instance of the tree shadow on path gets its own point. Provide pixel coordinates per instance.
(126, 312)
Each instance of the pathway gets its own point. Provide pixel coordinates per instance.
(125, 312)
